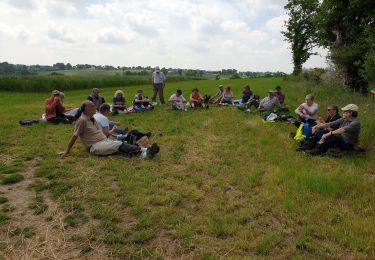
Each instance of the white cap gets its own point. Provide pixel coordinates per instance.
(157, 68)
(351, 107)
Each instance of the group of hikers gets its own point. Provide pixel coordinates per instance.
(100, 136)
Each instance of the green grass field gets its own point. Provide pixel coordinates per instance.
(225, 184)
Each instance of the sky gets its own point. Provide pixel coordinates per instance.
(207, 34)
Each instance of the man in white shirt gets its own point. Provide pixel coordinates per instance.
(307, 112)
(178, 100)
(158, 83)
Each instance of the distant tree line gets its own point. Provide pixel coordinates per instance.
(345, 27)
(19, 69)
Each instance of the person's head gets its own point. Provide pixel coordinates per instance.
(270, 93)
(157, 69)
(309, 100)
(88, 108)
(332, 110)
(228, 89)
(221, 87)
(195, 90)
(178, 92)
(95, 92)
(140, 91)
(55, 93)
(104, 109)
(246, 88)
(350, 111)
(278, 89)
(119, 94)
(256, 97)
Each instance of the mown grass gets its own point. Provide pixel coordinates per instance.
(224, 185)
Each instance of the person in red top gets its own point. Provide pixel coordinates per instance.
(55, 109)
(196, 99)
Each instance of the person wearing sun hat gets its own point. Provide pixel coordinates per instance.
(345, 137)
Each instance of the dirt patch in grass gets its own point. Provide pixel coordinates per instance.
(26, 235)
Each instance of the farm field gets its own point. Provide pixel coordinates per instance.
(225, 184)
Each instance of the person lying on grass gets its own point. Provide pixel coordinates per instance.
(96, 142)
(227, 97)
(54, 109)
(141, 102)
(311, 142)
(177, 100)
(111, 130)
(217, 97)
(345, 137)
(269, 103)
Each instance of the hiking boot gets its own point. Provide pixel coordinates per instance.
(313, 152)
(303, 148)
(153, 150)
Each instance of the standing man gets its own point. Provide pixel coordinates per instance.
(158, 82)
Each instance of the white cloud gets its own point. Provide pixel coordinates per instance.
(59, 33)
(276, 24)
(113, 35)
(60, 8)
(24, 4)
(209, 34)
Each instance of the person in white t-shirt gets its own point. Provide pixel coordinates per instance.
(108, 127)
(308, 112)
(177, 100)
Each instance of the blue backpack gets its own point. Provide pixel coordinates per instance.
(307, 130)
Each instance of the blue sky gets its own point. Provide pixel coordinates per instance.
(207, 34)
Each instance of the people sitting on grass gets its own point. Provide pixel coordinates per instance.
(280, 95)
(269, 103)
(110, 129)
(54, 109)
(177, 101)
(118, 102)
(217, 97)
(227, 97)
(96, 142)
(96, 98)
(196, 99)
(346, 135)
(307, 112)
(246, 94)
(141, 102)
(311, 142)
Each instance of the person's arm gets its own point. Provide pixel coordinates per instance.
(108, 132)
(335, 132)
(72, 141)
(298, 111)
(320, 125)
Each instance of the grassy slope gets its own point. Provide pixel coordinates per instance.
(224, 184)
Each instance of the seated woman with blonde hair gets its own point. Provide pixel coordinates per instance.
(118, 102)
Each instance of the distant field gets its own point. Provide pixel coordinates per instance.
(225, 184)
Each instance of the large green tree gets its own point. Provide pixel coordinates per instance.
(345, 28)
(300, 30)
